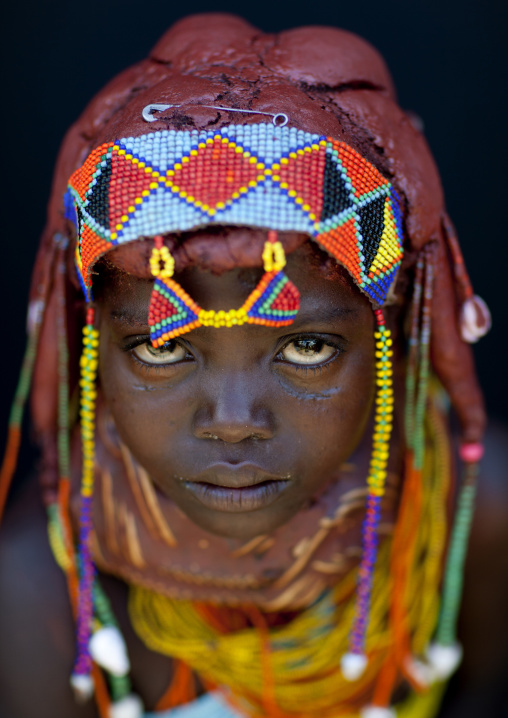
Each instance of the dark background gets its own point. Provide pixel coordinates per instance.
(448, 59)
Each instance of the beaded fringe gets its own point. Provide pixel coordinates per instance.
(353, 663)
(88, 364)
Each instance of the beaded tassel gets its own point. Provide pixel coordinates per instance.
(445, 653)
(81, 678)
(353, 663)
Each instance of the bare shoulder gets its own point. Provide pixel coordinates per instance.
(36, 625)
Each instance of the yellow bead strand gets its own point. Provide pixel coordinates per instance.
(89, 364)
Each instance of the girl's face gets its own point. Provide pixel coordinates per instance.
(241, 427)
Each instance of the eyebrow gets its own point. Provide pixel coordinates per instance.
(138, 319)
(328, 314)
(132, 318)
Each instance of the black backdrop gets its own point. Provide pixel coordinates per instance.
(448, 59)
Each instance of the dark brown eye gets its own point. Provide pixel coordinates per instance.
(307, 350)
(169, 353)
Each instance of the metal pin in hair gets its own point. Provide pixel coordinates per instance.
(279, 119)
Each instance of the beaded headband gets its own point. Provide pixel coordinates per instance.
(258, 175)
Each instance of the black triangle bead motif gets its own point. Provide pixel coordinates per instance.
(336, 196)
(98, 201)
(372, 225)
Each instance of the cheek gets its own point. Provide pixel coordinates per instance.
(328, 426)
(145, 415)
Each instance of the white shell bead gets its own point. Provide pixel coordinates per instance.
(109, 651)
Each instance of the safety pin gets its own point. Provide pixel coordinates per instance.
(279, 119)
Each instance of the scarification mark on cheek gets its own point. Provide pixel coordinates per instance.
(146, 387)
(304, 394)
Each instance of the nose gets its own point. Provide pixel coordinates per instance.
(233, 411)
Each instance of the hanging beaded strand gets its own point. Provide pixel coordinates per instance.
(422, 387)
(445, 652)
(354, 662)
(10, 458)
(59, 531)
(60, 518)
(81, 679)
(412, 361)
(36, 313)
(404, 545)
(59, 525)
(63, 368)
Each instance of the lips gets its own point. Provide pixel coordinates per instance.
(236, 488)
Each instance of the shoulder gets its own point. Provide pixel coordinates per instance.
(36, 624)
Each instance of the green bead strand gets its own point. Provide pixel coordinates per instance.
(454, 573)
(120, 685)
(423, 377)
(25, 379)
(63, 374)
(409, 412)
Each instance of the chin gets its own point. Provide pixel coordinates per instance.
(241, 526)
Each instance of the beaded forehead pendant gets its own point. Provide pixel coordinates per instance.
(259, 175)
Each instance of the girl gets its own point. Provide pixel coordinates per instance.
(250, 236)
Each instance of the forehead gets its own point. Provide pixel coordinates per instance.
(325, 286)
(216, 249)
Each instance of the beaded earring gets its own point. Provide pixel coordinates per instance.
(274, 302)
